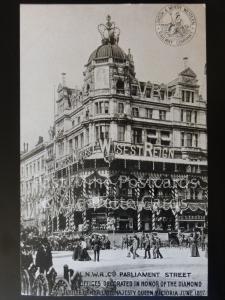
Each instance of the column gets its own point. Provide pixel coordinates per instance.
(153, 220)
(52, 224)
(139, 220)
(176, 221)
(84, 216)
(57, 219)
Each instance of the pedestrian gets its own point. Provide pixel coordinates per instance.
(194, 245)
(130, 246)
(77, 250)
(158, 244)
(142, 241)
(84, 256)
(135, 246)
(44, 257)
(126, 240)
(123, 242)
(96, 247)
(147, 247)
(154, 247)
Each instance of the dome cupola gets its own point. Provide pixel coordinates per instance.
(109, 47)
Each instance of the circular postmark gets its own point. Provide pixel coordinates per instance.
(175, 25)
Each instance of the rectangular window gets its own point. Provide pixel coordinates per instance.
(120, 108)
(78, 120)
(196, 117)
(134, 90)
(38, 166)
(96, 108)
(87, 135)
(100, 107)
(165, 138)
(188, 116)
(76, 142)
(162, 94)
(106, 107)
(102, 131)
(148, 93)
(82, 140)
(182, 115)
(137, 136)
(148, 113)
(135, 112)
(192, 97)
(61, 148)
(162, 115)
(189, 140)
(121, 133)
(151, 136)
(182, 139)
(196, 140)
(97, 132)
(188, 96)
(183, 96)
(70, 146)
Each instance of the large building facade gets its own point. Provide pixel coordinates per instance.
(125, 155)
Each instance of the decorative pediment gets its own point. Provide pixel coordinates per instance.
(189, 73)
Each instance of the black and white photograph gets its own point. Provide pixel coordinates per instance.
(113, 150)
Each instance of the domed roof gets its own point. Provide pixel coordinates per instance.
(107, 51)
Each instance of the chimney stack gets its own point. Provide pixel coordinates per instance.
(63, 79)
(185, 60)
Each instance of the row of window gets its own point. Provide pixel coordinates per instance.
(36, 184)
(33, 167)
(187, 96)
(149, 113)
(189, 116)
(189, 139)
(102, 107)
(153, 136)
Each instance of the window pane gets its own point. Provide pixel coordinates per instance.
(188, 116)
(106, 107)
(189, 140)
(121, 133)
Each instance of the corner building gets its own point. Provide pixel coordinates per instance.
(129, 155)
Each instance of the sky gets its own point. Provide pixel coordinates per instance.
(60, 38)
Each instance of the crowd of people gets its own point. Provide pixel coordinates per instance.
(145, 242)
(93, 242)
(152, 243)
(36, 250)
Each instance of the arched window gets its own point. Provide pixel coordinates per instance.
(120, 87)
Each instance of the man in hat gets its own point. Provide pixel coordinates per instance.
(147, 247)
(96, 246)
(158, 244)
